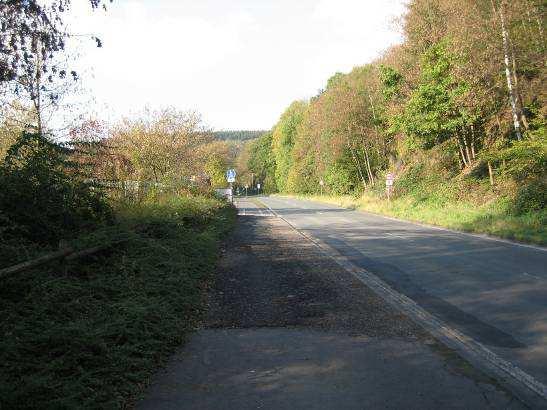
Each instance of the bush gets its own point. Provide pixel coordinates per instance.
(44, 197)
(523, 159)
(530, 197)
(339, 179)
(90, 336)
(410, 179)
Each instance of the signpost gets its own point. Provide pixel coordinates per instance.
(321, 183)
(231, 178)
(389, 185)
(258, 187)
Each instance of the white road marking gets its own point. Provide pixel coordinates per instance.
(473, 351)
(532, 276)
(396, 235)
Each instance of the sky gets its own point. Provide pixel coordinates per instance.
(239, 63)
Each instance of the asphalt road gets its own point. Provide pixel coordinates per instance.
(493, 291)
(288, 328)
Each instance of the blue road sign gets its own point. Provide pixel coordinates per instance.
(231, 175)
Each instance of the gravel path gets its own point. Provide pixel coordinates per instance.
(271, 277)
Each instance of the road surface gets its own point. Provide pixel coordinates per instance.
(493, 291)
(288, 328)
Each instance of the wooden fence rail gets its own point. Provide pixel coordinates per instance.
(68, 254)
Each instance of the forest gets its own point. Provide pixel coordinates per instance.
(456, 112)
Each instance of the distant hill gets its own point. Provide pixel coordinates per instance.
(240, 135)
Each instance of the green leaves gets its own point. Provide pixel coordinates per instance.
(92, 337)
(526, 159)
(283, 141)
(44, 196)
(433, 113)
(341, 177)
(262, 162)
(391, 81)
(215, 168)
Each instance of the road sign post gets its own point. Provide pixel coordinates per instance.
(389, 185)
(231, 178)
(258, 187)
(321, 183)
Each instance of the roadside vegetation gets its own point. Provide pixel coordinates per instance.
(129, 207)
(88, 332)
(456, 113)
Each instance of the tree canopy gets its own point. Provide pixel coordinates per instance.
(464, 93)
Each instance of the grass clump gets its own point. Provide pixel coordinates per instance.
(89, 334)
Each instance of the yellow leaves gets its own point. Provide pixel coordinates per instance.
(162, 145)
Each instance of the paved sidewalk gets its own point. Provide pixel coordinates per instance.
(289, 329)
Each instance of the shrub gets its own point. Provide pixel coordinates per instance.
(410, 179)
(339, 179)
(43, 195)
(530, 197)
(91, 338)
(523, 159)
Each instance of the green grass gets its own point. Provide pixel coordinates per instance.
(490, 216)
(90, 334)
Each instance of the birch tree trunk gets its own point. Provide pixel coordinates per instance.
(473, 153)
(354, 157)
(369, 169)
(467, 152)
(462, 153)
(520, 106)
(505, 39)
(36, 83)
(490, 173)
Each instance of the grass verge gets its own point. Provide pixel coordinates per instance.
(90, 334)
(489, 218)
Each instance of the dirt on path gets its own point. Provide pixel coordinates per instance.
(288, 328)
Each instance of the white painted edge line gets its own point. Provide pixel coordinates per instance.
(470, 349)
(475, 235)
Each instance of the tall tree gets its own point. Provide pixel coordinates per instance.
(283, 139)
(32, 31)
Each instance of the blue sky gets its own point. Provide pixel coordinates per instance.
(238, 62)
